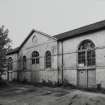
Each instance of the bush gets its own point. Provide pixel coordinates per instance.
(3, 83)
(25, 81)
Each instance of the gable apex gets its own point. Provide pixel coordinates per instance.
(42, 33)
(31, 33)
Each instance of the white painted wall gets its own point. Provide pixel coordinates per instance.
(70, 60)
(38, 73)
(13, 72)
(69, 65)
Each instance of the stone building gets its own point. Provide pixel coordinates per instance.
(76, 57)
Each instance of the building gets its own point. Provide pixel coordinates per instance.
(76, 57)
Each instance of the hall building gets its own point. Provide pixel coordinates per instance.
(75, 57)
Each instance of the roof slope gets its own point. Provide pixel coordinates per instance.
(16, 50)
(31, 33)
(69, 34)
(82, 30)
(12, 51)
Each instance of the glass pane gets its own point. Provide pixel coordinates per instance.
(48, 59)
(86, 52)
(35, 57)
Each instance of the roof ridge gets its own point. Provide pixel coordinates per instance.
(45, 34)
(82, 29)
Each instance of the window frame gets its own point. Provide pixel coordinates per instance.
(35, 57)
(89, 58)
(10, 63)
(24, 62)
(48, 59)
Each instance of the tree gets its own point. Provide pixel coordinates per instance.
(4, 47)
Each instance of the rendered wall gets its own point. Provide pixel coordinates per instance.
(70, 47)
(13, 73)
(38, 73)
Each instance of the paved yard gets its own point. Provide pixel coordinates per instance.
(31, 95)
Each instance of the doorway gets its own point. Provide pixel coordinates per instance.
(86, 72)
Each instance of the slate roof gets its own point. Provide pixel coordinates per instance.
(69, 34)
(81, 31)
(26, 38)
(15, 50)
(31, 33)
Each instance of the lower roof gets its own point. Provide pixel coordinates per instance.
(13, 51)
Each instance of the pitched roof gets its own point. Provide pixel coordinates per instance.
(15, 50)
(31, 33)
(81, 31)
(69, 34)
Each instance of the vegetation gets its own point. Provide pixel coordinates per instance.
(4, 47)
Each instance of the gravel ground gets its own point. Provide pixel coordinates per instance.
(31, 95)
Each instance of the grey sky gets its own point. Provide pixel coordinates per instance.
(49, 16)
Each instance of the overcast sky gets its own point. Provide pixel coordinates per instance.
(49, 16)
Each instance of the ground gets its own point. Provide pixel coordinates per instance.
(19, 94)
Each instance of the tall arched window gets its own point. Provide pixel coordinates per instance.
(10, 63)
(86, 53)
(24, 62)
(35, 57)
(48, 59)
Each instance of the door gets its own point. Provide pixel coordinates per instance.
(82, 78)
(87, 78)
(91, 78)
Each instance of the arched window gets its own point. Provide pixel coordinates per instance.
(86, 53)
(10, 63)
(24, 62)
(48, 59)
(35, 57)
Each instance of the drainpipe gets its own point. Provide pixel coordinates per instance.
(62, 61)
(58, 60)
(8, 72)
(60, 55)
